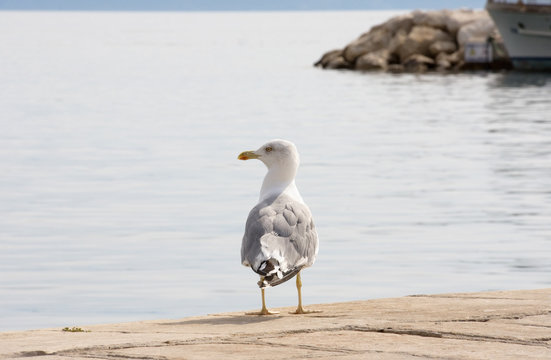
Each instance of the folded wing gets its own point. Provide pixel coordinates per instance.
(280, 239)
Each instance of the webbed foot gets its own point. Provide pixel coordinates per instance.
(301, 310)
(263, 312)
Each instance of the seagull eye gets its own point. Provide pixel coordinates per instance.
(268, 149)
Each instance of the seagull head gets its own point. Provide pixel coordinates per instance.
(281, 159)
(281, 154)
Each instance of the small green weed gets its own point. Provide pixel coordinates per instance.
(74, 329)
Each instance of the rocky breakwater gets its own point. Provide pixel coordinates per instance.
(415, 42)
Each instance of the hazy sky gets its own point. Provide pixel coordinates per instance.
(205, 5)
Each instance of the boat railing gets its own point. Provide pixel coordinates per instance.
(525, 6)
(521, 2)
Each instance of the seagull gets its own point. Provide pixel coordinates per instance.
(280, 237)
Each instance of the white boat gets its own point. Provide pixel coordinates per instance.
(525, 27)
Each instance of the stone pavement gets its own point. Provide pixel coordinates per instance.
(488, 325)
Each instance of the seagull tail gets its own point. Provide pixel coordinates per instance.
(272, 275)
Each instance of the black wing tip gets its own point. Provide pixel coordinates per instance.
(274, 280)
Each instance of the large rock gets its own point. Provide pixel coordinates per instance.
(478, 29)
(435, 19)
(374, 40)
(397, 41)
(395, 68)
(376, 60)
(440, 46)
(338, 63)
(333, 60)
(443, 65)
(459, 18)
(399, 23)
(418, 63)
(328, 57)
(448, 20)
(419, 41)
(456, 57)
(443, 61)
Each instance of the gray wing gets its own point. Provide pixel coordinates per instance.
(280, 239)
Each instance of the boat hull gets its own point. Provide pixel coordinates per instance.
(526, 33)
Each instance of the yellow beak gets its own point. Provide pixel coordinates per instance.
(246, 155)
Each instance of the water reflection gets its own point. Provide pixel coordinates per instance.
(514, 79)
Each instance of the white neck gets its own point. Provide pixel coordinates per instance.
(280, 180)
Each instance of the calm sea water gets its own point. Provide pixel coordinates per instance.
(121, 197)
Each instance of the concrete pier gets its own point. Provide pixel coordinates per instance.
(486, 325)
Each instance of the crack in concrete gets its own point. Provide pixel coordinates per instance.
(333, 351)
(496, 317)
(457, 336)
(110, 356)
(107, 351)
(30, 354)
(465, 297)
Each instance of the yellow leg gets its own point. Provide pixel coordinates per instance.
(264, 310)
(300, 309)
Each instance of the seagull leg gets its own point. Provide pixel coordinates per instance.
(264, 310)
(300, 309)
